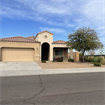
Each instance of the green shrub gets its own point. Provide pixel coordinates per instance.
(100, 59)
(43, 61)
(103, 62)
(59, 59)
(96, 59)
(53, 61)
(70, 60)
(97, 64)
(90, 59)
(80, 57)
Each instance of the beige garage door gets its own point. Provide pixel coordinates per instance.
(17, 54)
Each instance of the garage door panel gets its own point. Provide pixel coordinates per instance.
(17, 54)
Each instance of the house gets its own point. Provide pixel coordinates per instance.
(33, 48)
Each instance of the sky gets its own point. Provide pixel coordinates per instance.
(61, 17)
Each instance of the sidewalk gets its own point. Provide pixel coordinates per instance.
(48, 71)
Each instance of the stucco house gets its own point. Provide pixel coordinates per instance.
(33, 48)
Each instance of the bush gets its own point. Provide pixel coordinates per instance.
(96, 59)
(103, 62)
(59, 59)
(80, 57)
(97, 64)
(89, 59)
(43, 61)
(70, 60)
(53, 61)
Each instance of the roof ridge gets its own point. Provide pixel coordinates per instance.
(33, 37)
(45, 31)
(11, 37)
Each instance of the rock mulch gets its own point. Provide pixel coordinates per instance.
(57, 65)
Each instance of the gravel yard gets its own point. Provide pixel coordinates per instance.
(57, 65)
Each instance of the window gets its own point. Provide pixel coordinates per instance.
(58, 52)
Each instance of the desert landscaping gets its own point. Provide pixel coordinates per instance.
(57, 65)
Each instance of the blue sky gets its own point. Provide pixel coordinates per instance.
(27, 17)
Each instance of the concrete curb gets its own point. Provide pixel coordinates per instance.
(48, 71)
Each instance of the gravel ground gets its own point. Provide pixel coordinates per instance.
(57, 65)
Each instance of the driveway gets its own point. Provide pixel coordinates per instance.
(19, 66)
(32, 68)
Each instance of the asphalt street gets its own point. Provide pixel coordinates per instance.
(62, 89)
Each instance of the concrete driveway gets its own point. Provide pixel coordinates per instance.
(19, 66)
(32, 68)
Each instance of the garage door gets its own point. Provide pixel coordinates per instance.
(17, 54)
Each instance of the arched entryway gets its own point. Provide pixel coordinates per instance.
(45, 51)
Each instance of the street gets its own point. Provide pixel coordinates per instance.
(62, 89)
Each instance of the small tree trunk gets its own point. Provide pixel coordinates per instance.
(83, 55)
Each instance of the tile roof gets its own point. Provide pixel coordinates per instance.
(59, 42)
(18, 39)
(31, 37)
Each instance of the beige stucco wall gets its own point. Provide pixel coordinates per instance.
(76, 56)
(59, 45)
(35, 46)
(41, 37)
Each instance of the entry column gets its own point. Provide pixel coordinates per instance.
(51, 53)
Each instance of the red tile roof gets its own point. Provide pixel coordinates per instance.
(31, 37)
(59, 42)
(18, 39)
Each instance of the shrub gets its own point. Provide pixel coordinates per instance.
(53, 61)
(80, 57)
(70, 60)
(89, 59)
(59, 59)
(43, 61)
(103, 62)
(96, 59)
(97, 64)
(100, 59)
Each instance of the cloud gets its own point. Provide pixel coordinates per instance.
(62, 13)
(55, 30)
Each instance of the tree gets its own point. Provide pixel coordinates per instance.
(84, 39)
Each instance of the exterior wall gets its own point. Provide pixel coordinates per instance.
(36, 47)
(64, 48)
(0, 55)
(64, 53)
(70, 54)
(76, 56)
(59, 45)
(41, 37)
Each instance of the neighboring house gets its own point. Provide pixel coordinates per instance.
(33, 48)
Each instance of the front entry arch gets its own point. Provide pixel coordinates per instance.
(45, 51)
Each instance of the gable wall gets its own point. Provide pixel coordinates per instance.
(40, 37)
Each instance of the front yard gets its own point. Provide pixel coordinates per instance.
(57, 65)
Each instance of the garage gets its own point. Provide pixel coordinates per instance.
(17, 54)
